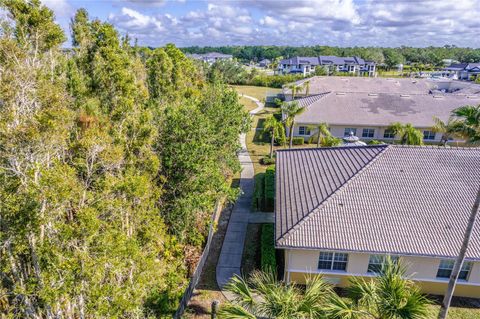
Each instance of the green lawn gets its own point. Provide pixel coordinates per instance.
(249, 104)
(258, 92)
(457, 313)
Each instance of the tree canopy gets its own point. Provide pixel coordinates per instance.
(111, 161)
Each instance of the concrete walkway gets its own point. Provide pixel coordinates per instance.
(230, 259)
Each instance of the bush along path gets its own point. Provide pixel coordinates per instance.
(230, 259)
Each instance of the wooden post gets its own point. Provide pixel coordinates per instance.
(214, 309)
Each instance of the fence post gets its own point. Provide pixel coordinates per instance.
(214, 309)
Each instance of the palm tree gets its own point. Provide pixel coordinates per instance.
(468, 118)
(322, 131)
(263, 296)
(306, 85)
(295, 88)
(291, 110)
(389, 295)
(408, 134)
(460, 259)
(449, 129)
(276, 130)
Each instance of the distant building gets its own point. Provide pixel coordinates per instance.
(264, 63)
(463, 71)
(211, 57)
(308, 65)
(367, 107)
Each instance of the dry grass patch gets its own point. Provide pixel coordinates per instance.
(258, 92)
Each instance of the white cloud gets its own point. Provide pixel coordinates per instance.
(134, 21)
(307, 22)
(61, 8)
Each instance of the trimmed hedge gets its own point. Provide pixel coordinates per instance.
(268, 260)
(298, 141)
(269, 191)
(267, 160)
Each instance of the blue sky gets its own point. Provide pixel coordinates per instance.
(286, 22)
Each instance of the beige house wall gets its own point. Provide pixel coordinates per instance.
(339, 130)
(300, 263)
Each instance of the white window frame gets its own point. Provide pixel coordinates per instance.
(333, 260)
(429, 133)
(390, 132)
(447, 265)
(369, 130)
(380, 261)
(306, 130)
(350, 129)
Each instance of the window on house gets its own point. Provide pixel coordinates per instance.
(332, 261)
(349, 130)
(368, 132)
(428, 135)
(376, 262)
(303, 130)
(446, 266)
(388, 134)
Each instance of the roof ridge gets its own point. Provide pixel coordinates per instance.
(340, 188)
(335, 147)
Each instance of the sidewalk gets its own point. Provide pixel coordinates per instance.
(230, 259)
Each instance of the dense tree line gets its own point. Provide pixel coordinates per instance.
(111, 161)
(389, 56)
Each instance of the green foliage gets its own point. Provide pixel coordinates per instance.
(330, 141)
(102, 156)
(466, 122)
(389, 56)
(269, 192)
(408, 134)
(298, 141)
(389, 295)
(199, 148)
(267, 244)
(375, 142)
(267, 160)
(263, 296)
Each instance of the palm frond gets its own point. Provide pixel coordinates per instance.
(232, 311)
(239, 287)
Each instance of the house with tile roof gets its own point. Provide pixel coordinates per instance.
(367, 107)
(463, 71)
(308, 65)
(340, 211)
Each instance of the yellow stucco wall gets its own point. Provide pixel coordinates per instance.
(301, 263)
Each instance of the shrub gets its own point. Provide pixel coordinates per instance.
(375, 142)
(298, 141)
(258, 196)
(267, 160)
(268, 261)
(269, 191)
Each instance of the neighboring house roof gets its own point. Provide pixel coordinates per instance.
(381, 109)
(378, 199)
(325, 60)
(381, 101)
(462, 66)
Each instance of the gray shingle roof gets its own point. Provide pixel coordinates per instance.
(381, 109)
(325, 60)
(381, 101)
(379, 199)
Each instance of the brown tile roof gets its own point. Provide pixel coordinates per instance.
(380, 199)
